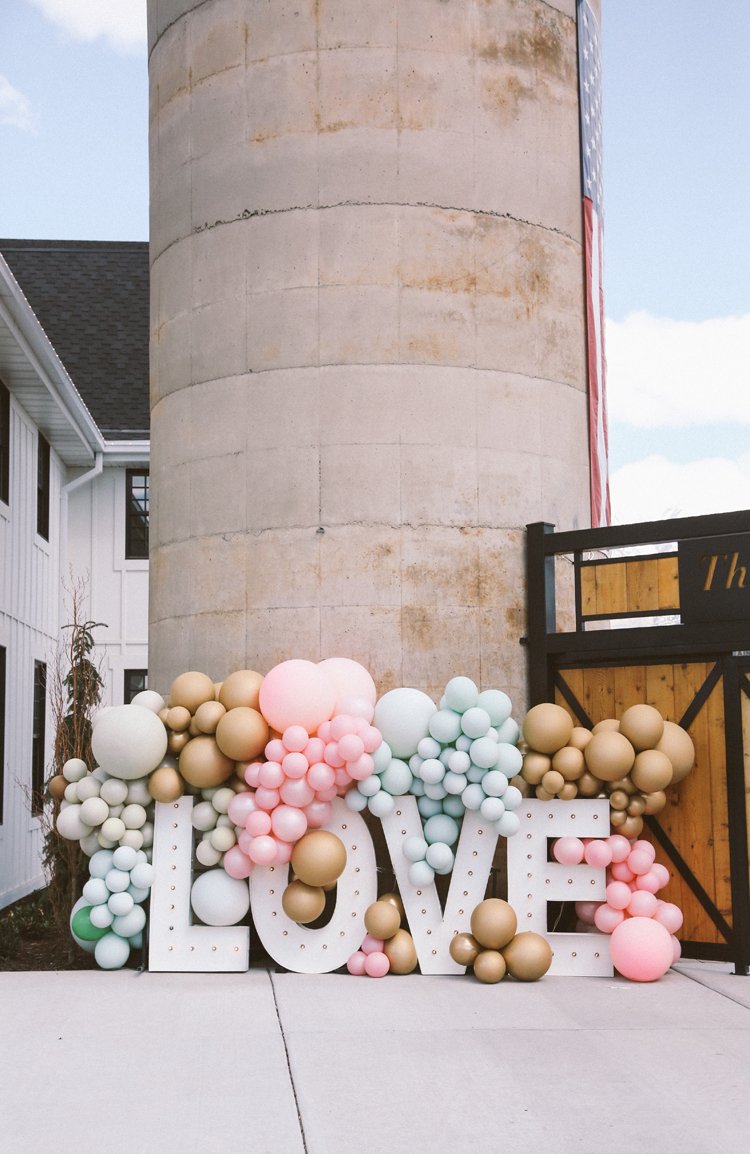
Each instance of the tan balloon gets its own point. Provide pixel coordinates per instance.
(242, 733)
(57, 786)
(382, 920)
(632, 827)
(568, 791)
(194, 730)
(493, 923)
(580, 737)
(203, 764)
(178, 718)
(535, 765)
(241, 688)
(319, 857)
(609, 755)
(569, 762)
(636, 805)
(303, 903)
(547, 727)
(606, 723)
(588, 786)
(464, 948)
(655, 801)
(618, 799)
(617, 818)
(191, 690)
(176, 742)
(651, 770)
(678, 746)
(395, 900)
(542, 794)
(528, 956)
(552, 782)
(208, 716)
(642, 725)
(623, 783)
(401, 952)
(489, 967)
(166, 784)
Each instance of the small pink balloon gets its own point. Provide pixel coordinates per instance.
(314, 750)
(318, 813)
(356, 964)
(620, 871)
(351, 747)
(343, 780)
(237, 864)
(361, 768)
(263, 850)
(332, 756)
(324, 732)
(668, 915)
(296, 791)
(568, 850)
(648, 882)
(642, 904)
(326, 794)
(598, 853)
(295, 738)
(377, 964)
(266, 798)
(641, 949)
(341, 725)
(643, 846)
(356, 707)
(618, 895)
(586, 911)
(258, 823)
(620, 847)
(321, 776)
(662, 874)
(244, 841)
(288, 822)
(271, 775)
(606, 919)
(639, 861)
(371, 739)
(283, 852)
(240, 806)
(252, 774)
(295, 765)
(371, 944)
(677, 948)
(275, 750)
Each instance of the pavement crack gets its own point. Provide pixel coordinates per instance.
(288, 1064)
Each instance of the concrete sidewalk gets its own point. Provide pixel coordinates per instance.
(269, 1063)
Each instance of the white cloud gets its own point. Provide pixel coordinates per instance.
(15, 108)
(666, 373)
(120, 23)
(656, 488)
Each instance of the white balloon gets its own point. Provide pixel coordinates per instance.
(94, 811)
(129, 741)
(87, 787)
(149, 699)
(101, 863)
(90, 843)
(218, 899)
(124, 858)
(70, 823)
(134, 816)
(138, 792)
(142, 875)
(74, 769)
(113, 829)
(112, 951)
(206, 854)
(113, 791)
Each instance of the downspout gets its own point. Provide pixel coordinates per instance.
(76, 483)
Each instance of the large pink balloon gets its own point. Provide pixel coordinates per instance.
(349, 678)
(289, 823)
(297, 692)
(641, 949)
(568, 850)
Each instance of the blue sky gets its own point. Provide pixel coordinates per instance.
(73, 142)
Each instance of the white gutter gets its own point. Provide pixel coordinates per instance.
(84, 478)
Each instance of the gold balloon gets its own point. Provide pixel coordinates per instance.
(382, 920)
(395, 900)
(618, 799)
(568, 791)
(57, 786)
(588, 786)
(655, 801)
(303, 903)
(242, 733)
(617, 818)
(552, 781)
(208, 716)
(607, 723)
(464, 948)
(535, 765)
(569, 762)
(176, 742)
(401, 952)
(163, 714)
(579, 738)
(609, 755)
(642, 725)
(489, 966)
(528, 956)
(678, 746)
(178, 718)
(194, 729)
(637, 805)
(191, 690)
(623, 783)
(651, 770)
(543, 794)
(319, 857)
(547, 727)
(632, 827)
(166, 784)
(493, 923)
(202, 763)
(241, 688)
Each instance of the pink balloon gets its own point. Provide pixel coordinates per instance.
(377, 965)
(648, 881)
(266, 798)
(618, 895)
(263, 850)
(371, 739)
(568, 850)
(252, 774)
(324, 732)
(371, 944)
(318, 813)
(295, 765)
(275, 750)
(361, 768)
(351, 747)
(341, 725)
(240, 806)
(283, 852)
(642, 904)
(641, 949)
(662, 874)
(668, 915)
(358, 707)
(677, 947)
(271, 775)
(643, 846)
(619, 845)
(586, 911)
(314, 750)
(343, 780)
(297, 692)
(296, 791)
(288, 822)
(620, 871)
(349, 678)
(321, 776)
(237, 864)
(639, 861)
(244, 841)
(356, 964)
(606, 919)
(326, 794)
(332, 757)
(598, 853)
(295, 738)
(258, 823)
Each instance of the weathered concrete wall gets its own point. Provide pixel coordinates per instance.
(368, 350)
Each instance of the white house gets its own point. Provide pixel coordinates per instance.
(73, 498)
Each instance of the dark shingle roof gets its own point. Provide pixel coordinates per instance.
(92, 300)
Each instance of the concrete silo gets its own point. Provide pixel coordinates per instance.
(368, 330)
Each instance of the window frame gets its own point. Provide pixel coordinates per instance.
(128, 690)
(4, 443)
(43, 461)
(3, 684)
(136, 519)
(38, 737)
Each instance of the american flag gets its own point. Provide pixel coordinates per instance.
(590, 102)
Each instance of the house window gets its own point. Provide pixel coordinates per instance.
(42, 488)
(4, 444)
(38, 737)
(136, 680)
(136, 514)
(2, 731)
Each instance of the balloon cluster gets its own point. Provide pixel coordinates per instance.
(631, 760)
(318, 860)
(210, 818)
(494, 948)
(386, 946)
(108, 919)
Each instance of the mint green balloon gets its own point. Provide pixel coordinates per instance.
(461, 694)
(445, 726)
(428, 806)
(82, 927)
(382, 757)
(454, 806)
(441, 827)
(397, 778)
(440, 857)
(497, 704)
